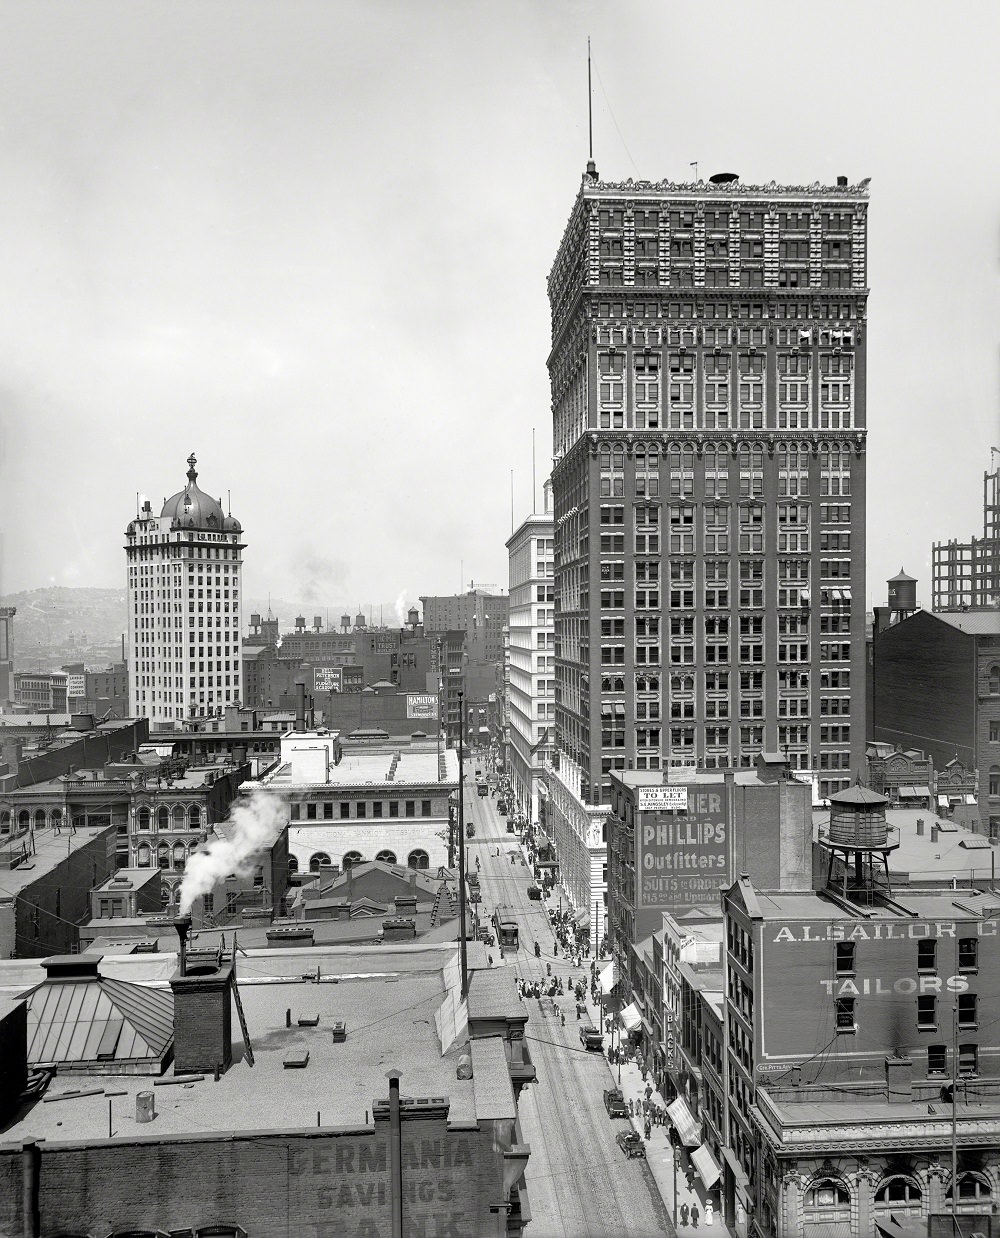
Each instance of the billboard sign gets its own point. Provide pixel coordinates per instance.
(327, 679)
(76, 685)
(422, 705)
(683, 855)
(661, 799)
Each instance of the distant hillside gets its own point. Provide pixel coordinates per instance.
(56, 625)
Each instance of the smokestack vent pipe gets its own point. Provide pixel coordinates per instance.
(183, 926)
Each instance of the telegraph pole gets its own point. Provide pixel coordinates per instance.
(461, 842)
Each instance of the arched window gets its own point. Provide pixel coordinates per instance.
(164, 896)
(163, 856)
(56, 818)
(163, 817)
(293, 864)
(387, 857)
(318, 860)
(418, 859)
(180, 853)
(194, 817)
(351, 858)
(142, 818)
(23, 819)
(973, 1191)
(827, 1199)
(4, 820)
(39, 818)
(995, 680)
(142, 856)
(899, 1194)
(178, 816)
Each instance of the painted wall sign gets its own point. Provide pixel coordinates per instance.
(422, 705)
(661, 799)
(683, 858)
(867, 930)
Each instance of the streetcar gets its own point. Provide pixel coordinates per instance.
(506, 927)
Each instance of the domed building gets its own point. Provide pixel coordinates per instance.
(184, 606)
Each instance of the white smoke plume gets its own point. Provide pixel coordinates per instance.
(254, 824)
(401, 609)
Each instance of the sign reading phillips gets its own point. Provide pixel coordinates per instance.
(682, 845)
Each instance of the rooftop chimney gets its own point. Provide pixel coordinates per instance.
(183, 926)
(300, 705)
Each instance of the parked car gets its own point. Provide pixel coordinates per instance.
(486, 937)
(631, 1143)
(534, 893)
(615, 1104)
(591, 1038)
(482, 788)
(502, 807)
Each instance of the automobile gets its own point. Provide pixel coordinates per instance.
(473, 879)
(485, 936)
(482, 788)
(510, 827)
(614, 1102)
(502, 807)
(591, 1038)
(475, 896)
(535, 893)
(479, 773)
(631, 1143)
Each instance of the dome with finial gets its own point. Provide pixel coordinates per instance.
(192, 508)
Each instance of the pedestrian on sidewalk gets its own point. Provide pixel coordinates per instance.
(709, 1213)
(684, 1214)
(648, 1130)
(694, 1215)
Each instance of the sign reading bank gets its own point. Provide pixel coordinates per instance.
(683, 846)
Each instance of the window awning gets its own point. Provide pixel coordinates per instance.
(923, 791)
(970, 799)
(582, 919)
(709, 1170)
(631, 1018)
(943, 801)
(684, 1122)
(608, 978)
(907, 793)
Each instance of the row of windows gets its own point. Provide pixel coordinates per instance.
(311, 811)
(927, 955)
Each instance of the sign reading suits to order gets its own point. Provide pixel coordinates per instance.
(682, 852)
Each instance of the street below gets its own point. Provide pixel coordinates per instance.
(580, 1183)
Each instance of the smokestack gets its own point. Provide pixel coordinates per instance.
(300, 705)
(183, 926)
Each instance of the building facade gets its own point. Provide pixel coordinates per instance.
(708, 392)
(184, 569)
(530, 677)
(937, 682)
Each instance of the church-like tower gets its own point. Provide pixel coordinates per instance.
(184, 607)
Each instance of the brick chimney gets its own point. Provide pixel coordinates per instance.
(202, 1011)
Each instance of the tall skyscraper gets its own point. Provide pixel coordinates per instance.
(184, 606)
(708, 401)
(531, 682)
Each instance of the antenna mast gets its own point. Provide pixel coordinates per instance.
(590, 108)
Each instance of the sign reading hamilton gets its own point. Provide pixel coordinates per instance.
(683, 846)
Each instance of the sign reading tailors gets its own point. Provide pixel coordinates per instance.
(421, 705)
(682, 845)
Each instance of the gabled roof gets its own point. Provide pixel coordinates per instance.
(85, 1019)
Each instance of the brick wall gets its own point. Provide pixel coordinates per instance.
(275, 1184)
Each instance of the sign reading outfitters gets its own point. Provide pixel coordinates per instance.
(683, 846)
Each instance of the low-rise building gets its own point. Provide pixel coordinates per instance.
(366, 1100)
(374, 799)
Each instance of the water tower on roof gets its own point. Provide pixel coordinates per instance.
(859, 839)
(902, 595)
(345, 623)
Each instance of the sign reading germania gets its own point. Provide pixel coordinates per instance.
(683, 856)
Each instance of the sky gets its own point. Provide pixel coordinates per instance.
(309, 242)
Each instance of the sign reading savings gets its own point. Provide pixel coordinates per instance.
(682, 846)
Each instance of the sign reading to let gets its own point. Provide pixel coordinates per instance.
(682, 856)
(661, 799)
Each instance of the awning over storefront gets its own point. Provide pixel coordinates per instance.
(709, 1170)
(608, 978)
(631, 1018)
(943, 801)
(546, 864)
(739, 1175)
(582, 919)
(970, 799)
(685, 1123)
(829, 1229)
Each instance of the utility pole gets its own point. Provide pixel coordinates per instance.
(461, 843)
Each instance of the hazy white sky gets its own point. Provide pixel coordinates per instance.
(309, 242)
